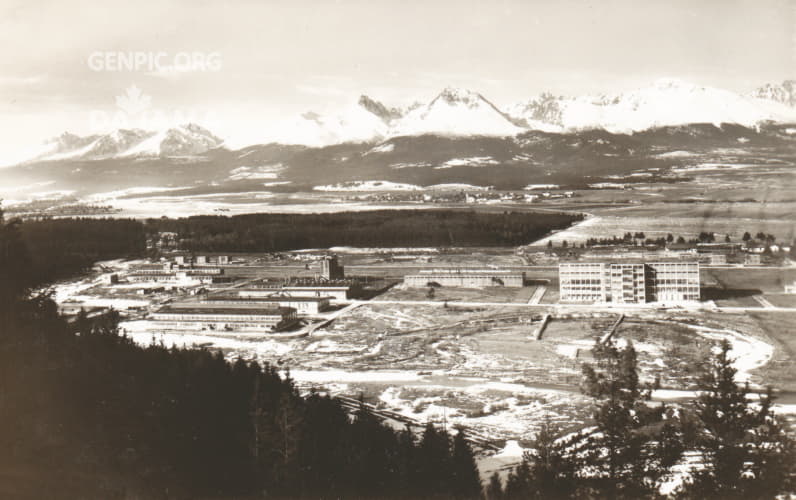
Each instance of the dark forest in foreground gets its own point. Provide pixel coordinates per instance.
(85, 413)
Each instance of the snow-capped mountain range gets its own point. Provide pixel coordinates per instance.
(667, 102)
(460, 112)
(184, 140)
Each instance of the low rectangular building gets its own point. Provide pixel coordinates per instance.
(176, 277)
(629, 282)
(717, 259)
(332, 292)
(226, 319)
(303, 305)
(467, 278)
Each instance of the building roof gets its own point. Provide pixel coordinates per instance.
(271, 311)
(680, 246)
(464, 270)
(656, 260)
(276, 298)
(315, 287)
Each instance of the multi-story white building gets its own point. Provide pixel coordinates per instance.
(629, 282)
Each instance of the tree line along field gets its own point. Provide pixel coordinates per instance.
(60, 248)
(384, 228)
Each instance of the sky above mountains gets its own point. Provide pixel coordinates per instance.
(250, 64)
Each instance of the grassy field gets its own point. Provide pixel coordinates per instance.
(779, 328)
(747, 301)
(659, 222)
(782, 299)
(748, 281)
(443, 294)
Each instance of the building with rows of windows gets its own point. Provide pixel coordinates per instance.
(469, 278)
(629, 282)
(256, 320)
(304, 305)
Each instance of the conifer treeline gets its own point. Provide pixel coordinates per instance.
(737, 447)
(384, 228)
(85, 413)
(60, 248)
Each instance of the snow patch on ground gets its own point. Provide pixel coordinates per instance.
(531, 187)
(386, 147)
(145, 333)
(324, 376)
(512, 449)
(458, 186)
(749, 352)
(472, 161)
(120, 193)
(259, 172)
(676, 154)
(410, 165)
(368, 186)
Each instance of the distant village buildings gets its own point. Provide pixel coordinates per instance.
(182, 268)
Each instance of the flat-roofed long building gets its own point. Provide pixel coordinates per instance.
(468, 278)
(303, 305)
(225, 319)
(629, 282)
(333, 292)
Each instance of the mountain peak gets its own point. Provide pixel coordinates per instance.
(186, 139)
(380, 110)
(454, 95)
(784, 92)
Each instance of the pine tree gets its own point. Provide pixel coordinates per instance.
(621, 456)
(15, 279)
(518, 484)
(552, 471)
(745, 450)
(434, 470)
(466, 483)
(494, 490)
